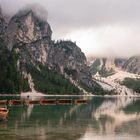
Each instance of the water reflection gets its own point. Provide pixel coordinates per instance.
(111, 116)
(102, 118)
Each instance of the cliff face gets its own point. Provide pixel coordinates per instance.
(2, 24)
(27, 32)
(70, 60)
(114, 75)
(27, 27)
(103, 66)
(29, 37)
(132, 65)
(106, 66)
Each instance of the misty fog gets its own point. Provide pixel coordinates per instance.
(99, 27)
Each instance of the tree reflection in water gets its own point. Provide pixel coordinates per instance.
(103, 118)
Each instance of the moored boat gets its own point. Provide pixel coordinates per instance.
(3, 102)
(64, 101)
(48, 101)
(81, 101)
(3, 113)
(33, 102)
(15, 102)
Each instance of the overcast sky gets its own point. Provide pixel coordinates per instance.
(99, 27)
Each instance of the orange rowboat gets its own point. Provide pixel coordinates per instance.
(3, 102)
(32, 102)
(48, 101)
(64, 101)
(15, 102)
(81, 101)
(3, 113)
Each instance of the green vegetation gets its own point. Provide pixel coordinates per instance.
(85, 87)
(96, 89)
(105, 73)
(46, 81)
(100, 91)
(11, 81)
(92, 89)
(135, 107)
(132, 84)
(51, 82)
(70, 72)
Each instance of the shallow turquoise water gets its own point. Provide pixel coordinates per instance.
(100, 119)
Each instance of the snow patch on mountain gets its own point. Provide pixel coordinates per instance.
(112, 83)
(120, 75)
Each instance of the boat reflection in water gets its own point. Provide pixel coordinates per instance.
(3, 113)
(101, 118)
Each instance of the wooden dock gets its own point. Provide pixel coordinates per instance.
(44, 102)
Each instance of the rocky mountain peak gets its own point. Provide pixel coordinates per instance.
(106, 66)
(68, 58)
(2, 23)
(26, 26)
(132, 64)
(70, 52)
(50, 64)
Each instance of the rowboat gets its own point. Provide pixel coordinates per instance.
(15, 102)
(48, 101)
(32, 102)
(3, 102)
(81, 101)
(64, 101)
(3, 113)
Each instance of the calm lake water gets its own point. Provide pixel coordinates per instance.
(100, 119)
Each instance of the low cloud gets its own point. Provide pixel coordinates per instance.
(39, 11)
(114, 24)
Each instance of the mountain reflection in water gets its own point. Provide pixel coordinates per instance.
(101, 118)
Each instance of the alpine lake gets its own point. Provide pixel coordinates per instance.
(102, 118)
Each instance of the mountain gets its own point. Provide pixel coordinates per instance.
(105, 66)
(31, 61)
(2, 23)
(132, 65)
(112, 75)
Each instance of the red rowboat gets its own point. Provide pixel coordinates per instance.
(15, 102)
(3, 102)
(81, 101)
(3, 113)
(64, 101)
(48, 101)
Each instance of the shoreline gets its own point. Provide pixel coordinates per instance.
(37, 94)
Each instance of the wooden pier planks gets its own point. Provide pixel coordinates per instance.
(44, 102)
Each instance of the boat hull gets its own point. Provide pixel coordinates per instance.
(64, 101)
(3, 113)
(48, 102)
(33, 102)
(81, 101)
(15, 102)
(3, 102)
